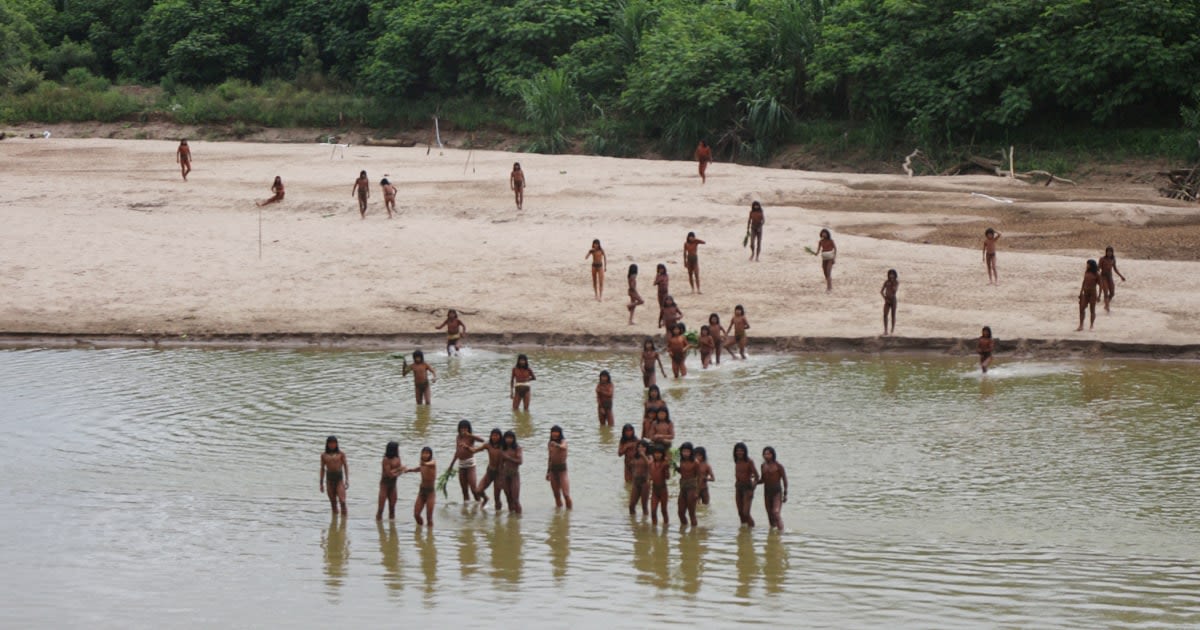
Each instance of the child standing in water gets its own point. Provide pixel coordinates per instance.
(1108, 266)
(425, 494)
(276, 193)
(677, 347)
(662, 430)
(511, 458)
(635, 299)
(745, 477)
(990, 236)
(519, 383)
(706, 346)
(599, 266)
(649, 358)
(494, 447)
(627, 448)
(689, 484)
(362, 186)
(183, 156)
(739, 324)
(669, 315)
(464, 456)
(455, 331)
(705, 473)
(888, 291)
(754, 227)
(640, 470)
(691, 258)
(421, 372)
(660, 472)
(662, 281)
(985, 346)
(392, 468)
(827, 251)
(1087, 293)
(335, 475)
(389, 196)
(604, 399)
(774, 482)
(718, 333)
(556, 468)
(516, 181)
(654, 402)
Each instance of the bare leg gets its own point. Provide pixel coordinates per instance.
(383, 497)
(341, 494)
(392, 503)
(429, 503)
(514, 497)
(827, 268)
(418, 505)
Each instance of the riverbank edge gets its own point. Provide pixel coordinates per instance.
(406, 342)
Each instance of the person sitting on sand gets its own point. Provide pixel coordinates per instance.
(1087, 293)
(276, 192)
(516, 181)
(183, 156)
(888, 291)
(1108, 266)
(389, 196)
(990, 236)
(985, 346)
(362, 187)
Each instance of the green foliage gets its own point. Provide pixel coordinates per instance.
(66, 56)
(51, 103)
(23, 78)
(551, 105)
(19, 40)
(83, 79)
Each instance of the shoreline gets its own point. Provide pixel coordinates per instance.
(1021, 348)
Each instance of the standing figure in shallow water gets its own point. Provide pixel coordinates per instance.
(556, 468)
(511, 458)
(985, 346)
(426, 497)
(775, 484)
(745, 478)
(334, 475)
(391, 471)
(520, 381)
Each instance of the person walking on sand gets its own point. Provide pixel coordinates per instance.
(335, 475)
(599, 266)
(888, 291)
(754, 229)
(516, 181)
(1108, 266)
(827, 251)
(1087, 294)
(362, 187)
(703, 157)
(276, 193)
(426, 497)
(990, 236)
(556, 468)
(389, 196)
(985, 346)
(691, 258)
(183, 156)
(635, 298)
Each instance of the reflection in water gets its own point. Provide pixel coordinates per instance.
(337, 553)
(389, 551)
(522, 423)
(891, 378)
(423, 537)
(987, 388)
(558, 538)
(747, 562)
(468, 555)
(693, 544)
(1097, 383)
(775, 562)
(422, 416)
(507, 545)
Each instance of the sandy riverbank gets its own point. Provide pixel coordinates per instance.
(103, 238)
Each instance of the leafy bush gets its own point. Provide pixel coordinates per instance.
(23, 78)
(551, 104)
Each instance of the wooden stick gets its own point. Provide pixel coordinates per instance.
(1011, 173)
(907, 166)
(260, 233)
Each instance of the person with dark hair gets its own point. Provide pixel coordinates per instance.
(691, 260)
(827, 251)
(389, 196)
(669, 315)
(183, 156)
(362, 186)
(494, 447)
(276, 193)
(888, 291)
(653, 403)
(455, 331)
(604, 398)
(677, 347)
(464, 455)
(1087, 293)
(754, 229)
(662, 430)
(718, 333)
(334, 475)
(649, 358)
(660, 472)
(392, 468)
(640, 480)
(518, 384)
(511, 458)
(745, 478)
(985, 346)
(689, 484)
(775, 484)
(705, 474)
(739, 325)
(705, 342)
(703, 155)
(990, 236)
(556, 468)
(635, 298)
(516, 181)
(627, 448)
(662, 281)
(426, 497)
(599, 266)
(421, 372)
(1108, 266)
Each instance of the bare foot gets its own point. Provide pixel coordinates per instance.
(483, 499)
(420, 521)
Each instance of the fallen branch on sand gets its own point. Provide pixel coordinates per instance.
(975, 164)
(1184, 184)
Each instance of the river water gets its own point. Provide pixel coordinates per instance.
(179, 487)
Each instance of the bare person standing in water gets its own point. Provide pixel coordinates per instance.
(754, 227)
(392, 468)
(455, 330)
(556, 468)
(745, 478)
(1108, 266)
(362, 186)
(1087, 293)
(985, 347)
(990, 236)
(464, 455)
(691, 258)
(516, 181)
(775, 486)
(522, 376)
(183, 155)
(426, 497)
(334, 475)
(599, 266)
(421, 372)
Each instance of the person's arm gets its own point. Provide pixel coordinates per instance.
(462, 328)
(512, 383)
(883, 291)
(754, 472)
(745, 323)
(321, 475)
(1118, 272)
(532, 376)
(709, 470)
(519, 458)
(345, 472)
(783, 475)
(699, 242)
(443, 324)
(433, 371)
(985, 244)
(660, 365)
(604, 258)
(354, 189)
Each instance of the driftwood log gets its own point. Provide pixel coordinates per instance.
(976, 164)
(1184, 183)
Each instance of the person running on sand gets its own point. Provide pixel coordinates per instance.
(494, 446)
(1087, 293)
(635, 298)
(990, 236)
(888, 291)
(627, 448)
(718, 333)
(516, 181)
(827, 250)
(662, 280)
(426, 497)
(556, 468)
(599, 266)
(389, 196)
(739, 325)
(511, 458)
(703, 156)
(669, 315)
(706, 346)
(1108, 266)
(775, 484)
(677, 347)
(660, 472)
(276, 193)
(691, 258)
(689, 484)
(392, 468)
(421, 372)
(464, 456)
(706, 473)
(362, 186)
(745, 478)
(754, 227)
(985, 347)
(455, 331)
(519, 383)
(334, 475)
(640, 477)
(604, 399)
(649, 358)
(183, 156)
